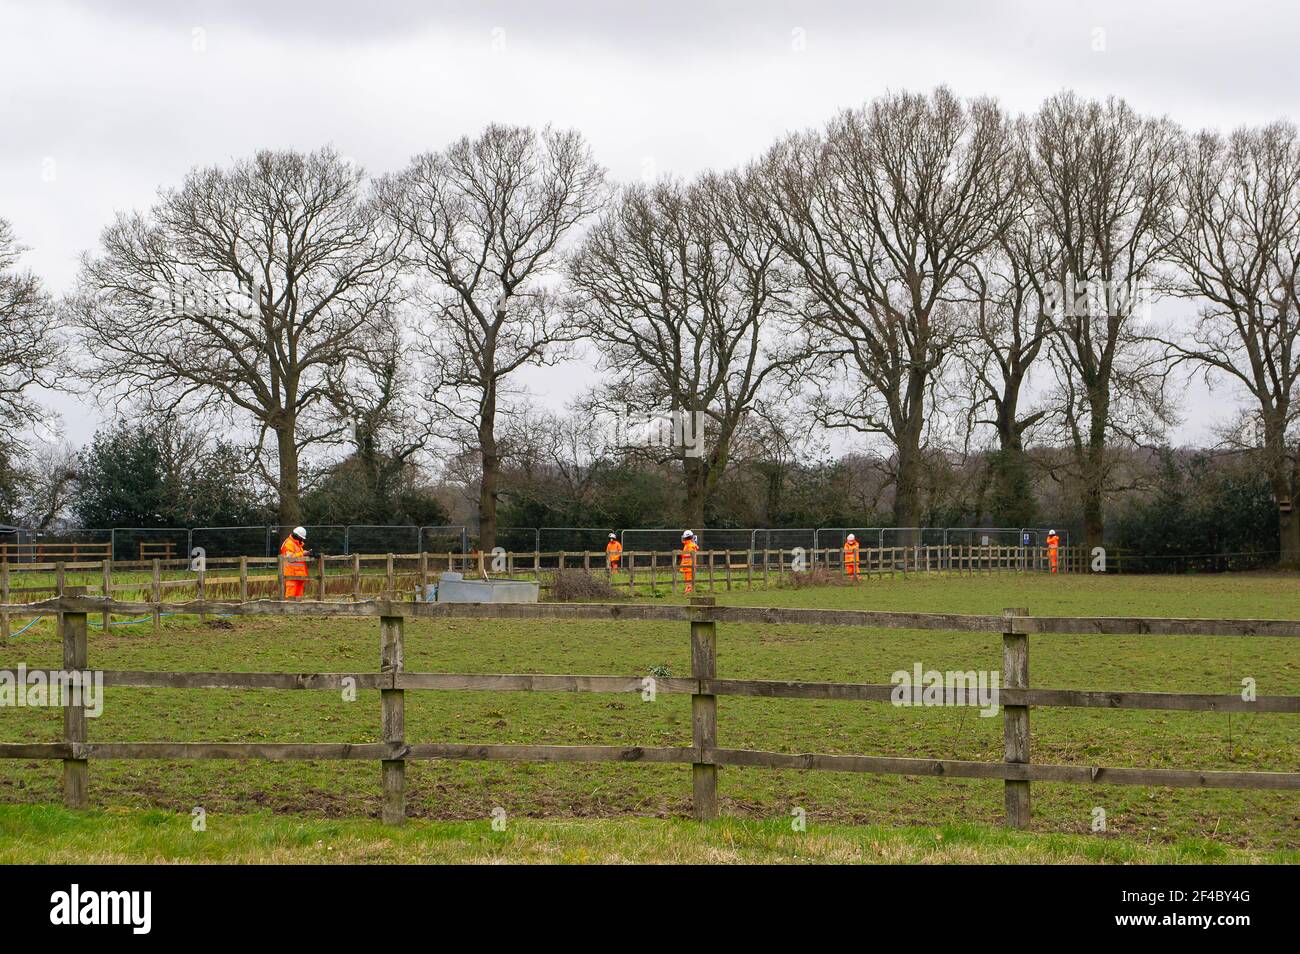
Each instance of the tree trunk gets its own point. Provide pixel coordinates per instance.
(487, 495)
(696, 471)
(907, 489)
(1012, 501)
(1282, 481)
(290, 498)
(1288, 537)
(907, 484)
(906, 511)
(1094, 490)
(1093, 516)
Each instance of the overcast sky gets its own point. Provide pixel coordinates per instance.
(103, 103)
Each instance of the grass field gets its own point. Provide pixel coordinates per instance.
(49, 835)
(554, 805)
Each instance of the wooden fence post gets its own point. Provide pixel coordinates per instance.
(76, 772)
(390, 581)
(320, 577)
(108, 592)
(704, 708)
(243, 579)
(393, 705)
(356, 577)
(279, 577)
(60, 583)
(4, 594)
(155, 595)
(1015, 675)
(201, 593)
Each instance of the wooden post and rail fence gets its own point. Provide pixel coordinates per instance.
(356, 576)
(1016, 695)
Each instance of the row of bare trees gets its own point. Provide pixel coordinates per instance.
(923, 269)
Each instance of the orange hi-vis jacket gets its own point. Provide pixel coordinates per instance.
(613, 550)
(1053, 542)
(851, 557)
(687, 564)
(295, 563)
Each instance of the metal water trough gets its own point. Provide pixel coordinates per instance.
(454, 588)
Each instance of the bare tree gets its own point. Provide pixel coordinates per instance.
(244, 290)
(388, 426)
(1102, 182)
(1236, 243)
(882, 215)
(1008, 333)
(486, 218)
(31, 350)
(47, 486)
(681, 292)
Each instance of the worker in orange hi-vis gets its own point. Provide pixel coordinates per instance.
(613, 550)
(687, 564)
(294, 552)
(851, 546)
(1053, 545)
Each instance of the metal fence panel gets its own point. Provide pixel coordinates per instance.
(709, 538)
(833, 538)
(518, 539)
(912, 536)
(22, 545)
(784, 538)
(330, 539)
(443, 539)
(985, 536)
(573, 539)
(363, 539)
(151, 543)
(233, 541)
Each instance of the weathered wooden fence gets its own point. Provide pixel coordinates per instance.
(1016, 696)
(357, 576)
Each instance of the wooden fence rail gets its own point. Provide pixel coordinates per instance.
(1015, 696)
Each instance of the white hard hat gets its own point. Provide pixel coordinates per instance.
(852, 537)
(1051, 533)
(687, 534)
(300, 532)
(611, 536)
